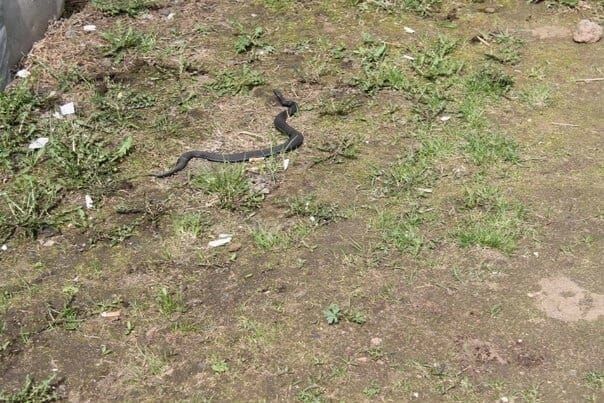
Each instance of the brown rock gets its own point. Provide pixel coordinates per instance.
(587, 32)
(234, 247)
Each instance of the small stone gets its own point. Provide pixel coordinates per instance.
(68, 109)
(4, 248)
(38, 143)
(234, 247)
(489, 10)
(23, 73)
(587, 32)
(376, 341)
(409, 30)
(89, 28)
(362, 359)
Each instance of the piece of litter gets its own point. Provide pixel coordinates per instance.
(89, 28)
(408, 57)
(57, 115)
(88, 202)
(285, 164)
(4, 247)
(23, 73)
(113, 314)
(252, 160)
(38, 143)
(444, 118)
(222, 240)
(409, 30)
(170, 16)
(68, 109)
(424, 190)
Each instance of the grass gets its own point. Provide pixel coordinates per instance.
(489, 80)
(402, 231)
(236, 81)
(435, 61)
(483, 148)
(131, 8)
(252, 41)
(319, 213)
(230, 185)
(192, 224)
(169, 302)
(423, 8)
(538, 96)
(269, 238)
(121, 40)
(492, 222)
(507, 50)
(31, 391)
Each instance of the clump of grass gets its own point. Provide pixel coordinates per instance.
(338, 150)
(231, 186)
(538, 96)
(233, 82)
(595, 380)
(121, 40)
(120, 105)
(31, 391)
(247, 41)
(405, 174)
(338, 107)
(493, 221)
(129, 7)
(27, 206)
(489, 80)
(269, 238)
(507, 50)
(319, 213)
(83, 159)
(435, 61)
(277, 5)
(169, 302)
(192, 224)
(485, 147)
(422, 8)
(402, 231)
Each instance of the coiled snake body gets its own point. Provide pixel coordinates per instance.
(295, 140)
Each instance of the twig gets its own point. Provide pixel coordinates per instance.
(254, 135)
(589, 80)
(565, 124)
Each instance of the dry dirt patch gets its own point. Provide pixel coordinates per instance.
(561, 298)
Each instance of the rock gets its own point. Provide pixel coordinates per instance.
(587, 32)
(234, 247)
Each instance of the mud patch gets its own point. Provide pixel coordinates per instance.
(560, 298)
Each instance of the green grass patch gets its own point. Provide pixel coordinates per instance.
(169, 302)
(231, 187)
(237, 81)
(320, 213)
(402, 231)
(269, 238)
(192, 224)
(122, 40)
(129, 7)
(32, 391)
(486, 147)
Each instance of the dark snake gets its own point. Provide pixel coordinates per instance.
(295, 140)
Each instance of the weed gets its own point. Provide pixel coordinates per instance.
(338, 107)
(406, 174)
(129, 7)
(497, 228)
(357, 317)
(233, 82)
(121, 40)
(219, 366)
(402, 231)
(252, 41)
(83, 160)
(169, 302)
(339, 150)
(277, 5)
(372, 391)
(333, 314)
(311, 394)
(508, 49)
(538, 96)
(231, 186)
(489, 80)
(485, 148)
(120, 105)
(31, 391)
(595, 380)
(267, 239)
(192, 224)
(29, 206)
(482, 196)
(423, 8)
(435, 61)
(319, 213)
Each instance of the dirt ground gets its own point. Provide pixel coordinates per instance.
(437, 237)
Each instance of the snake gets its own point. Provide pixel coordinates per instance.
(295, 140)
